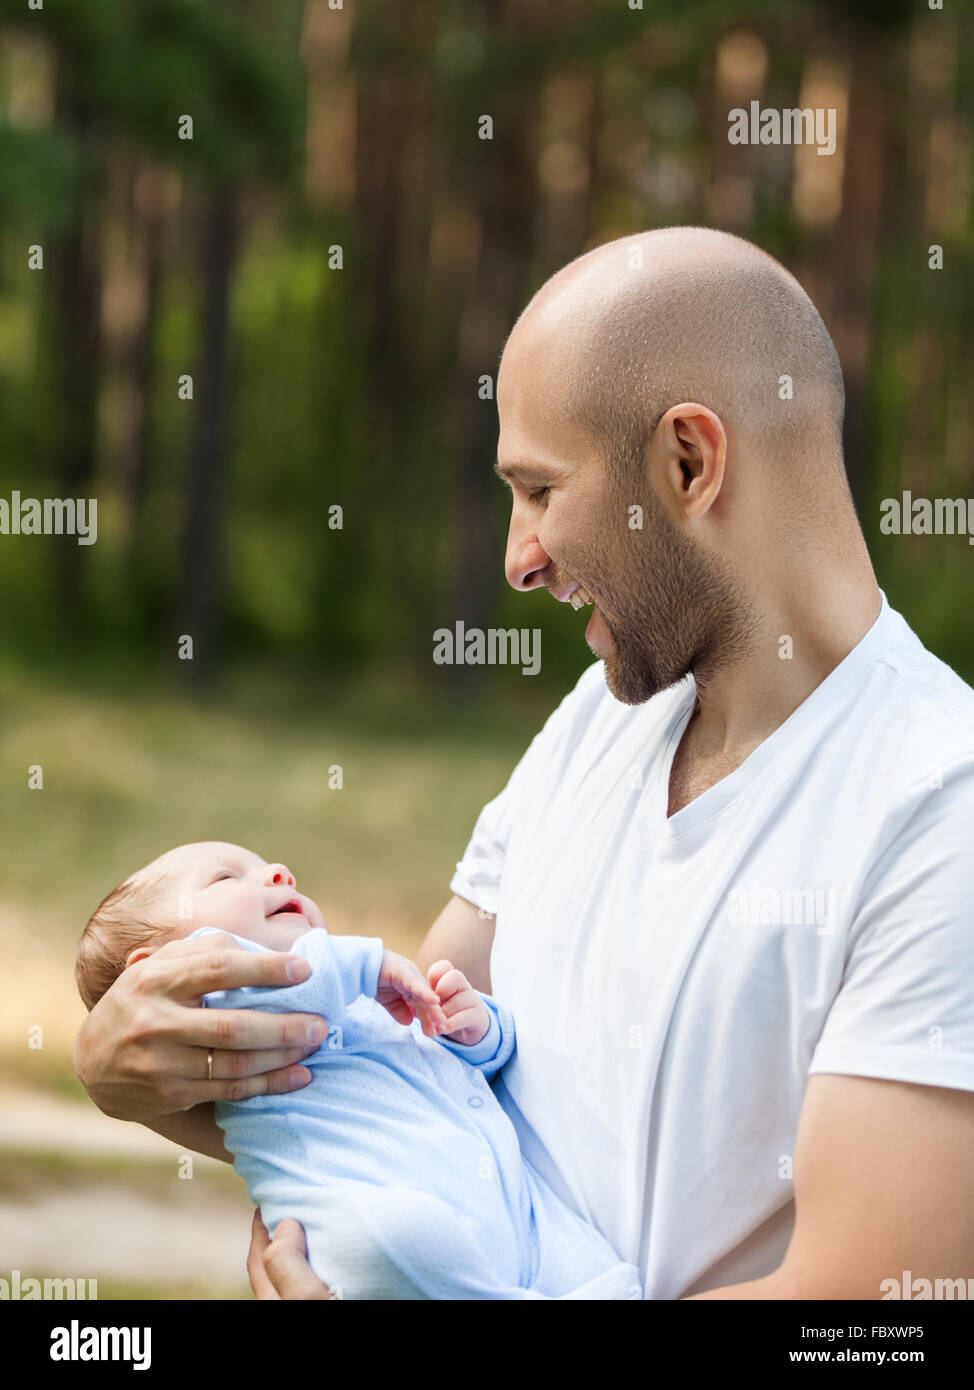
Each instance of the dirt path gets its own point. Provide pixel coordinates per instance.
(83, 1196)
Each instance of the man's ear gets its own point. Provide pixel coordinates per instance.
(692, 446)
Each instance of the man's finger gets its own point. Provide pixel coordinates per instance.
(188, 974)
(243, 1030)
(286, 1264)
(232, 1066)
(273, 1083)
(259, 1242)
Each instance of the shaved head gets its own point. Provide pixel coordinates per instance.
(684, 377)
(692, 314)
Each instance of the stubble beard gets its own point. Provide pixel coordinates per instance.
(676, 611)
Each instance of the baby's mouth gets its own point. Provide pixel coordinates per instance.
(292, 906)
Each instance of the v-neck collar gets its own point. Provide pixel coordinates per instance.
(715, 800)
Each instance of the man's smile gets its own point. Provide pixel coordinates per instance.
(576, 594)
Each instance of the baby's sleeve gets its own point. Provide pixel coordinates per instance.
(496, 1046)
(342, 969)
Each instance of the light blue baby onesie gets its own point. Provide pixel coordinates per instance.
(398, 1159)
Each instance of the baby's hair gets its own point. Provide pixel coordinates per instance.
(120, 923)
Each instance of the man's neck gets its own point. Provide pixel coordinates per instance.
(794, 646)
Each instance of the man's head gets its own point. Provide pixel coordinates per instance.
(207, 884)
(670, 406)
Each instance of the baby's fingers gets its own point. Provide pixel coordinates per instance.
(461, 1002)
(432, 1019)
(437, 970)
(417, 996)
(401, 1010)
(451, 983)
(466, 1018)
(415, 987)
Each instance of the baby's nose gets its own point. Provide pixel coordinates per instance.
(278, 873)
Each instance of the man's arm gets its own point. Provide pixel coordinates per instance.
(884, 1182)
(194, 1129)
(463, 935)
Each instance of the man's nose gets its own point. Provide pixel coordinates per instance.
(276, 874)
(526, 560)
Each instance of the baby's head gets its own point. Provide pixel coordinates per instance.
(210, 884)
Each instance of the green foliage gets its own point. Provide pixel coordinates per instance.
(347, 387)
(135, 66)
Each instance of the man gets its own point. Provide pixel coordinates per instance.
(737, 854)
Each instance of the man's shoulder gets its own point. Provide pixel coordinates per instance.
(924, 714)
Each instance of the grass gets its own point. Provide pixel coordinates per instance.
(28, 1172)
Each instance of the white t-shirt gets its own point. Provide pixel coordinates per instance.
(675, 981)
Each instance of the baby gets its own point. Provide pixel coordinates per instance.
(397, 1158)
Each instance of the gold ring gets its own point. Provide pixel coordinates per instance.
(209, 1066)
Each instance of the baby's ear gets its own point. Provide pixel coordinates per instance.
(140, 953)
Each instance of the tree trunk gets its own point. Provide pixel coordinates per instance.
(73, 265)
(860, 232)
(205, 484)
(137, 475)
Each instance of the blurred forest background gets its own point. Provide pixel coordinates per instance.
(322, 380)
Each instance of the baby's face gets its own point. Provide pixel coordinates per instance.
(212, 884)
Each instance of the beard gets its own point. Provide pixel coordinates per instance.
(676, 611)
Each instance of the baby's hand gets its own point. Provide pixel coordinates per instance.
(462, 1005)
(404, 993)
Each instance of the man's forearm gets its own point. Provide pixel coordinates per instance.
(772, 1286)
(195, 1129)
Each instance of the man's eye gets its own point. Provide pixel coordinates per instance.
(537, 495)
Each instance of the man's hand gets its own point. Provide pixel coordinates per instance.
(279, 1268)
(404, 993)
(142, 1051)
(463, 1006)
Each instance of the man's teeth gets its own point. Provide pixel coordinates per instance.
(580, 598)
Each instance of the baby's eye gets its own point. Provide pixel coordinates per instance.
(220, 877)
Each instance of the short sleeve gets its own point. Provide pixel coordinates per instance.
(478, 873)
(905, 1009)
